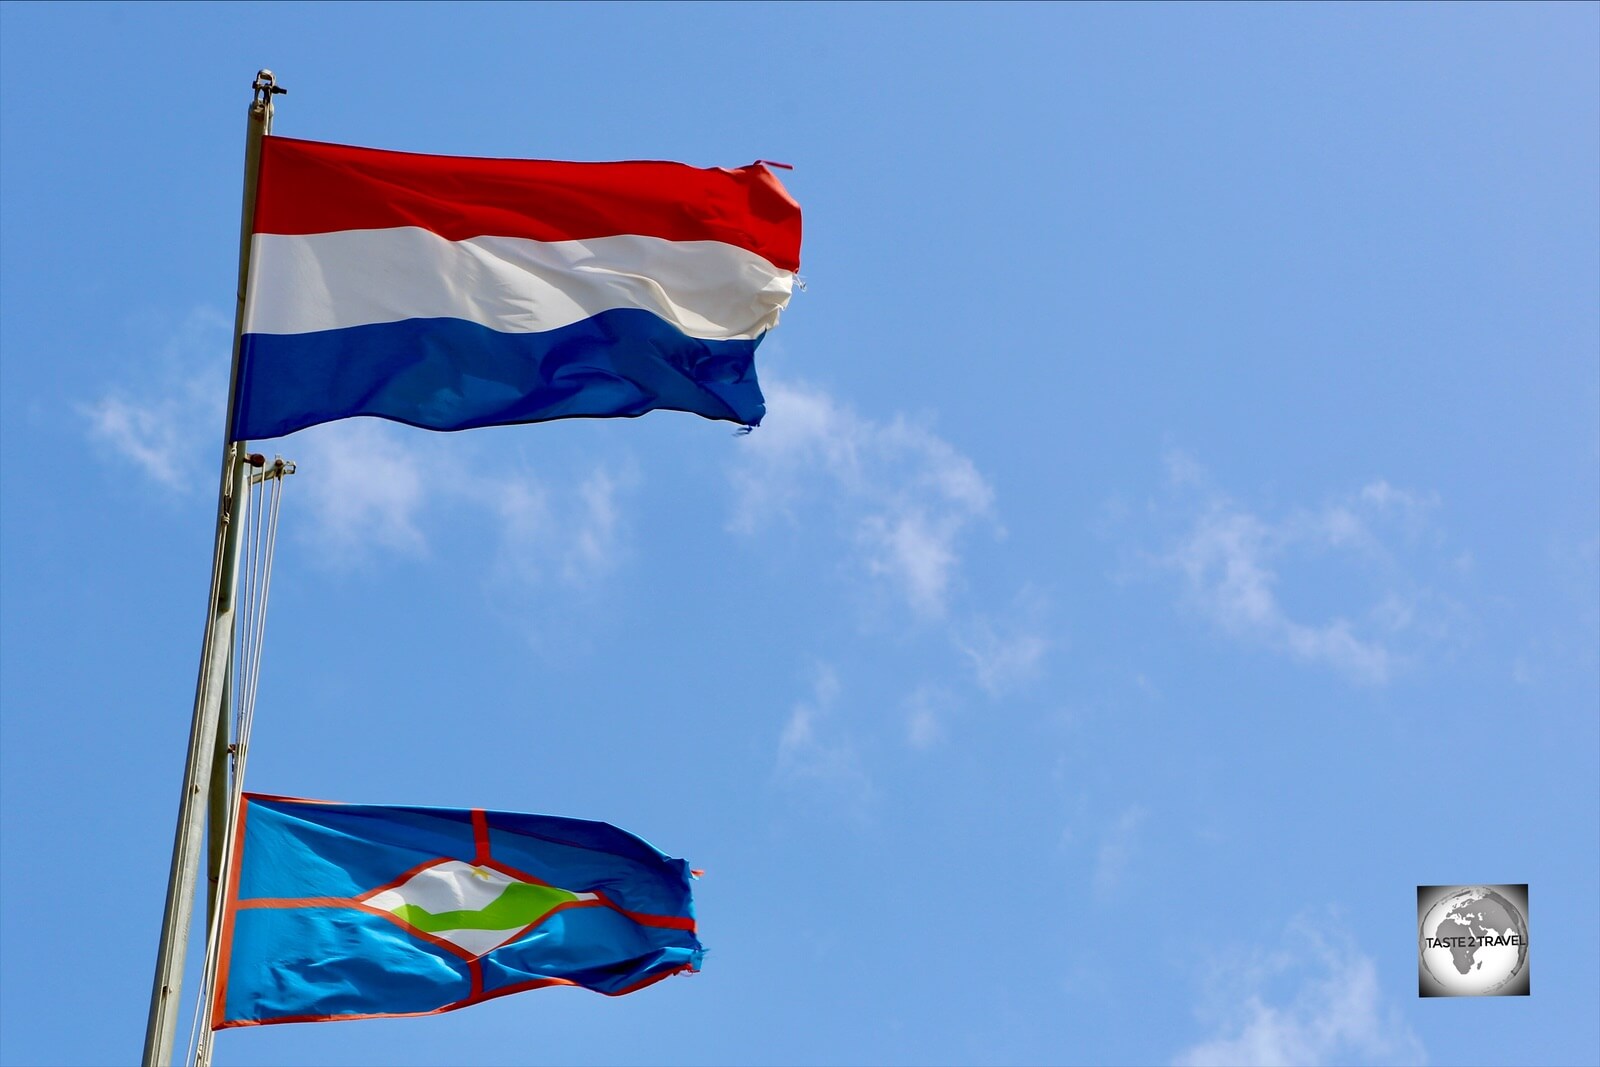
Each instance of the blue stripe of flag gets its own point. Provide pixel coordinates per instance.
(450, 374)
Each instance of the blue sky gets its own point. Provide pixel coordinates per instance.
(1173, 537)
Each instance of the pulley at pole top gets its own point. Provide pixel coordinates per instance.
(266, 472)
(266, 87)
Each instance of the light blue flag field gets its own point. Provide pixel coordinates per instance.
(350, 911)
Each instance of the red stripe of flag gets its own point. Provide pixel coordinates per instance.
(311, 187)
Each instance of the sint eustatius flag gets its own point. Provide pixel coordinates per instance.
(450, 292)
(346, 911)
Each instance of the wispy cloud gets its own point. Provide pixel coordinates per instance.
(1313, 999)
(574, 532)
(1230, 558)
(169, 425)
(905, 496)
(1227, 560)
(1116, 851)
(1009, 652)
(1415, 507)
(927, 712)
(364, 485)
(595, 535)
(813, 749)
(904, 506)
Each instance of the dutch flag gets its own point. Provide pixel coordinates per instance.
(449, 292)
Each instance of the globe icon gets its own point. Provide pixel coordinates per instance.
(1473, 942)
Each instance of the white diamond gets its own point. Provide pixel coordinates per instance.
(451, 887)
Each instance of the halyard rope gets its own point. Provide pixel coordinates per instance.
(260, 539)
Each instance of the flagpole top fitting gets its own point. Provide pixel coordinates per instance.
(279, 468)
(266, 87)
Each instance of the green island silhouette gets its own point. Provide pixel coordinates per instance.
(520, 905)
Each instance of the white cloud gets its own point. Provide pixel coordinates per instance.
(142, 434)
(172, 426)
(1116, 851)
(574, 533)
(594, 544)
(927, 710)
(1314, 999)
(915, 552)
(905, 496)
(523, 508)
(1003, 658)
(811, 747)
(1231, 558)
(1226, 558)
(1382, 495)
(371, 486)
(363, 484)
(1184, 470)
(904, 504)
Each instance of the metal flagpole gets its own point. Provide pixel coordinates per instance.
(202, 767)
